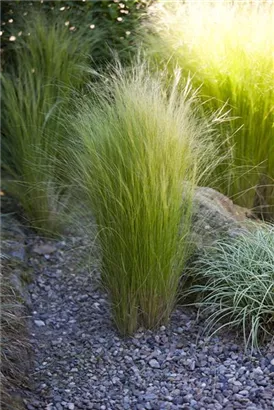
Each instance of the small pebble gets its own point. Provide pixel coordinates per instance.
(39, 323)
(154, 364)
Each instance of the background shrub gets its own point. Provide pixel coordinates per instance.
(238, 289)
(117, 21)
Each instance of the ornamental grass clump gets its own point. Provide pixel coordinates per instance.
(228, 49)
(48, 61)
(137, 148)
(238, 284)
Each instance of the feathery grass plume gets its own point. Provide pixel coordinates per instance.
(229, 50)
(238, 288)
(47, 64)
(137, 149)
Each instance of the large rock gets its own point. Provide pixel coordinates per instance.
(216, 216)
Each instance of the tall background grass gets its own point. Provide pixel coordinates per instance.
(48, 64)
(138, 149)
(229, 52)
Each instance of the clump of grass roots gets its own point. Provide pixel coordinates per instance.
(136, 146)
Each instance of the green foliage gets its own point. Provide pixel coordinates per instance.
(135, 146)
(228, 50)
(117, 21)
(121, 21)
(35, 91)
(239, 284)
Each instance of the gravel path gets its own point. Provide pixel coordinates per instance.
(80, 362)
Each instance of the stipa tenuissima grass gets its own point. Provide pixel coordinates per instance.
(134, 146)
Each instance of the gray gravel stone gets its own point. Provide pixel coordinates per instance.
(39, 323)
(80, 361)
(154, 364)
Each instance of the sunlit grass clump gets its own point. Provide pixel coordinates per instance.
(239, 284)
(229, 51)
(138, 149)
(48, 62)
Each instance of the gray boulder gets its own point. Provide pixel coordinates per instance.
(216, 216)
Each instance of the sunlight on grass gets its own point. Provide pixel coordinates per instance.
(229, 51)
